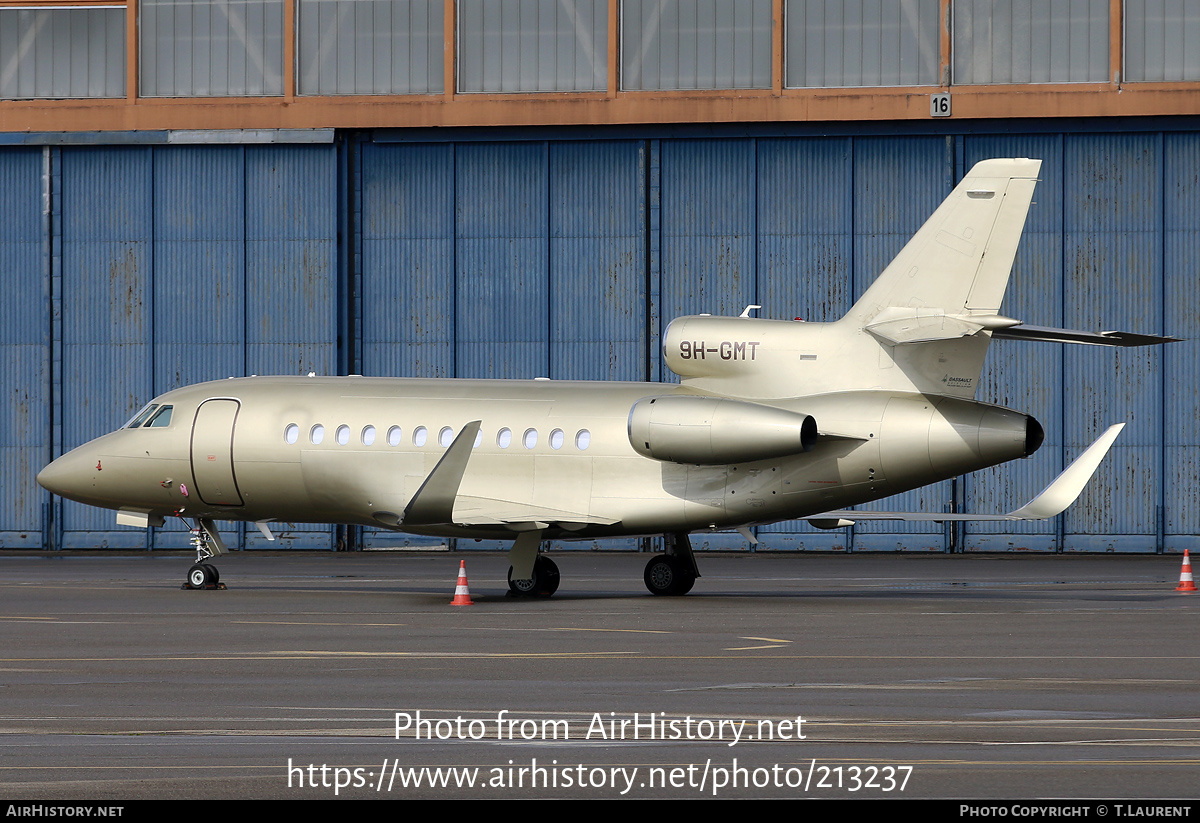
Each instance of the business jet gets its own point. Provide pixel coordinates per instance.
(772, 420)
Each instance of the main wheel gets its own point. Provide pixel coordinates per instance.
(200, 575)
(543, 583)
(667, 575)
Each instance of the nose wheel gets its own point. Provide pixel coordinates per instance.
(203, 576)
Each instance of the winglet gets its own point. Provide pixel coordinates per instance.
(1067, 486)
(434, 501)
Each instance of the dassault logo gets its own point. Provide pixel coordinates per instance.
(956, 381)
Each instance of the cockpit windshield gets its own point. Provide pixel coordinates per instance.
(141, 416)
(161, 418)
(153, 416)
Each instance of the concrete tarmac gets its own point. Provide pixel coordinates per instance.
(350, 675)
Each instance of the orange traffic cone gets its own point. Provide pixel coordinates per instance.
(462, 595)
(1185, 575)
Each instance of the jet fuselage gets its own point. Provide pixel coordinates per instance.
(558, 454)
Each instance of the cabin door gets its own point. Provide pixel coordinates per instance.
(212, 452)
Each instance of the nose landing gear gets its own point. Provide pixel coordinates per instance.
(207, 543)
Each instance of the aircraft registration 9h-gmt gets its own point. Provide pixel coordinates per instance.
(773, 420)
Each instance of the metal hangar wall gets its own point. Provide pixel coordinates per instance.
(136, 265)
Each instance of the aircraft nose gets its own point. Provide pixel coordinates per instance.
(69, 475)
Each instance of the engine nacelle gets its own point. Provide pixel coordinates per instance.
(713, 430)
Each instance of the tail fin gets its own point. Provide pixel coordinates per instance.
(923, 326)
(959, 262)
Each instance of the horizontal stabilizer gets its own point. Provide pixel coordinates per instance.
(1047, 334)
(1053, 500)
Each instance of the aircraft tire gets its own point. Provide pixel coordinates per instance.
(665, 575)
(198, 576)
(544, 582)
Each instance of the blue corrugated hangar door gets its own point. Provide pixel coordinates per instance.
(1091, 257)
(107, 312)
(804, 261)
(24, 336)
(183, 264)
(291, 282)
(1181, 318)
(1019, 375)
(898, 183)
(507, 260)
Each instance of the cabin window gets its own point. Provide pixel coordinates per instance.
(420, 435)
(368, 436)
(291, 434)
(478, 439)
(140, 417)
(161, 418)
(446, 437)
(583, 439)
(504, 438)
(393, 437)
(342, 434)
(556, 439)
(316, 434)
(530, 439)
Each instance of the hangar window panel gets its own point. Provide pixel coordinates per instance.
(370, 47)
(532, 45)
(695, 44)
(211, 48)
(861, 43)
(1162, 40)
(1028, 41)
(62, 53)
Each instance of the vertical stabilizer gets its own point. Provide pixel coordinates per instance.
(960, 260)
(923, 326)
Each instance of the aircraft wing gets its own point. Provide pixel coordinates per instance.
(1052, 500)
(438, 501)
(480, 511)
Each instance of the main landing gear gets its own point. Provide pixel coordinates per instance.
(673, 572)
(543, 583)
(208, 544)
